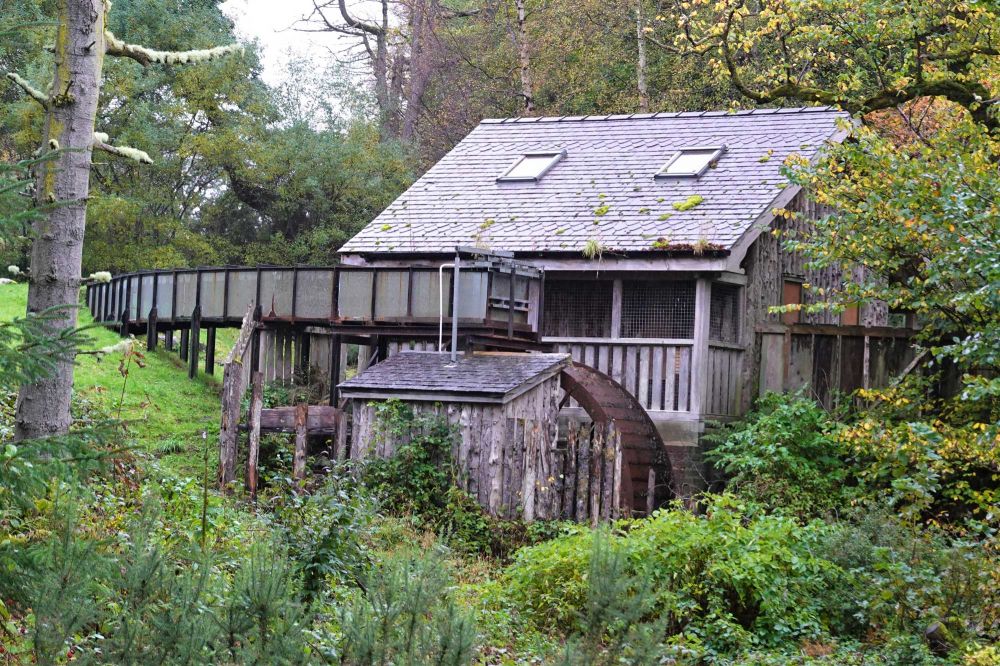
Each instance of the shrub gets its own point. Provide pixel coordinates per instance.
(723, 579)
(548, 581)
(785, 456)
(326, 532)
(420, 480)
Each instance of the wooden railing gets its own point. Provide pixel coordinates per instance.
(656, 371)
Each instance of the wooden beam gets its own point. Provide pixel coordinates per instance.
(335, 365)
(232, 393)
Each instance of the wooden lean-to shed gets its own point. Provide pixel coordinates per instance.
(504, 409)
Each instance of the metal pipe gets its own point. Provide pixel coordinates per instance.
(455, 310)
(441, 304)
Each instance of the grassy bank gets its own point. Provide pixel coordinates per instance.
(165, 411)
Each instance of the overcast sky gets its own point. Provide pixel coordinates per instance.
(272, 21)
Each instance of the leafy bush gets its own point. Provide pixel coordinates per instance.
(932, 460)
(785, 456)
(548, 581)
(893, 577)
(325, 533)
(721, 578)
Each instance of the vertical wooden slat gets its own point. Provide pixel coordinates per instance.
(617, 364)
(684, 379)
(670, 377)
(643, 387)
(631, 353)
(656, 390)
(256, 404)
(582, 495)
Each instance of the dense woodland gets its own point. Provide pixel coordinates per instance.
(863, 535)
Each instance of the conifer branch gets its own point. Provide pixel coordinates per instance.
(32, 92)
(145, 56)
(100, 143)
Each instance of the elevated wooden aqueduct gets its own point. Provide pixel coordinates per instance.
(308, 321)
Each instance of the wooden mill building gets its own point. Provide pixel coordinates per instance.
(654, 234)
(646, 250)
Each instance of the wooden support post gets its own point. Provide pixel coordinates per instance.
(232, 392)
(617, 289)
(253, 427)
(210, 350)
(334, 368)
(194, 342)
(699, 351)
(301, 440)
(255, 348)
(651, 492)
(185, 334)
(168, 339)
(152, 337)
(232, 395)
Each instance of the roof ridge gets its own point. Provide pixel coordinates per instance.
(661, 115)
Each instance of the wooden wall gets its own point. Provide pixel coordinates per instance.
(768, 265)
(482, 454)
(512, 459)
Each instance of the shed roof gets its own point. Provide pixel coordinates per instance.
(604, 188)
(479, 377)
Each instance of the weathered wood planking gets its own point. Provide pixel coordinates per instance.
(835, 361)
(724, 380)
(509, 457)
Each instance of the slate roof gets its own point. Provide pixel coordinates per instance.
(493, 377)
(610, 161)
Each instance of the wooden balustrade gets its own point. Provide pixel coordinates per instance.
(657, 372)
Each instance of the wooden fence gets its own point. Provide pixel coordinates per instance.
(830, 360)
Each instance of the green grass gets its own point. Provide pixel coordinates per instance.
(164, 410)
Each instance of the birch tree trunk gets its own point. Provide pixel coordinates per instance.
(57, 252)
(524, 54)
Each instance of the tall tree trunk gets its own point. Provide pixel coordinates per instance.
(524, 55)
(423, 15)
(640, 68)
(57, 253)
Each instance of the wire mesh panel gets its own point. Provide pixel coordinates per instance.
(658, 309)
(724, 316)
(577, 309)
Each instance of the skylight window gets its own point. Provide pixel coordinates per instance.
(532, 166)
(690, 162)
